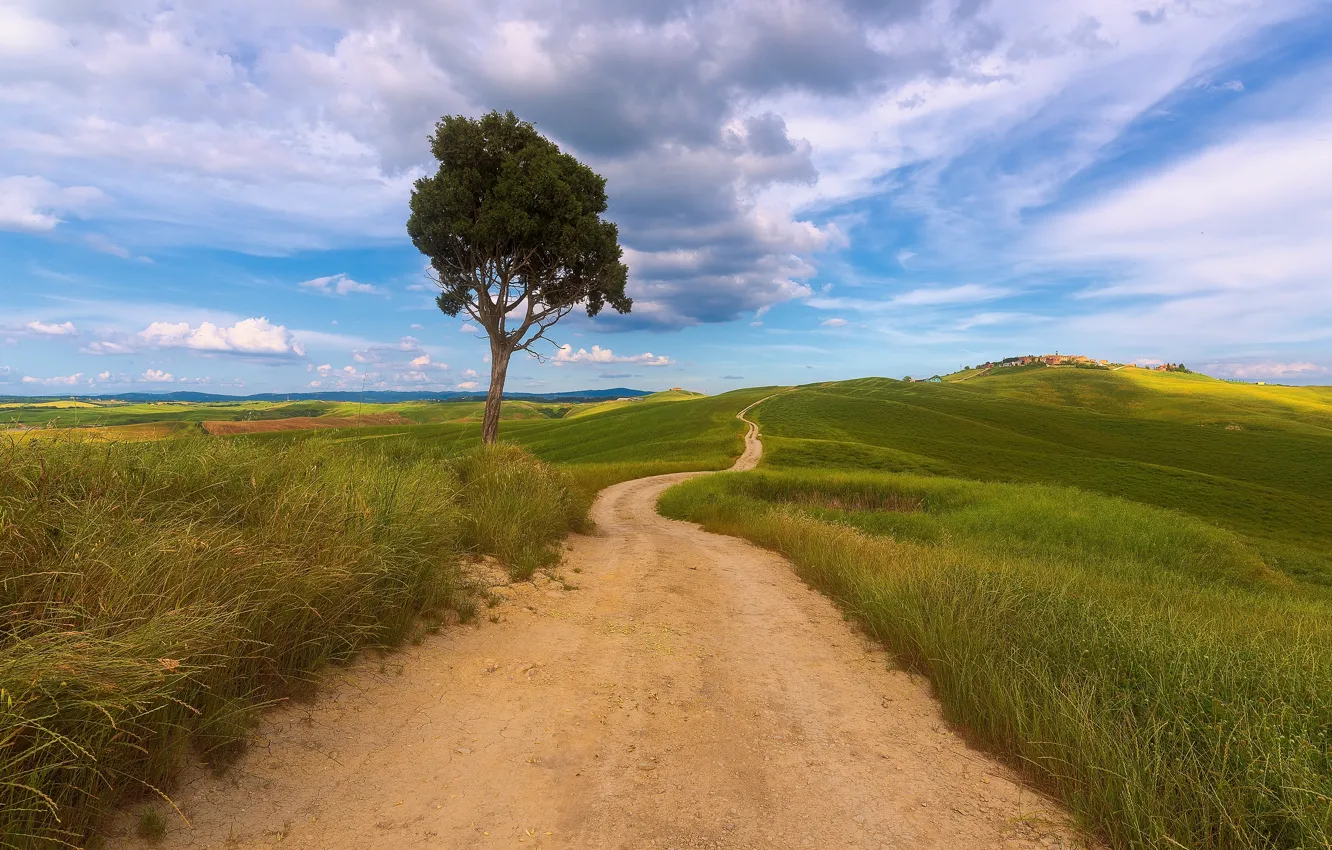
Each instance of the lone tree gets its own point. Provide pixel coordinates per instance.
(514, 233)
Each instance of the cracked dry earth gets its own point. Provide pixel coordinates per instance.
(691, 692)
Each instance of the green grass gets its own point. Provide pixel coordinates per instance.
(1106, 585)
(85, 415)
(1161, 439)
(669, 432)
(155, 596)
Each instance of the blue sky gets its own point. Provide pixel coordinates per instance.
(212, 196)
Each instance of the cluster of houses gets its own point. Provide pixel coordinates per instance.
(1047, 360)
(1055, 359)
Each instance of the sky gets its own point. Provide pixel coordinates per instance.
(212, 195)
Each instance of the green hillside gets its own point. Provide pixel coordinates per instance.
(1119, 580)
(1257, 460)
(614, 441)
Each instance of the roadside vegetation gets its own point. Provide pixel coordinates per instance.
(156, 595)
(1158, 656)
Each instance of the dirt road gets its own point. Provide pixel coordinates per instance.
(689, 693)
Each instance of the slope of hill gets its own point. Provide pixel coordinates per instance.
(1257, 460)
(1122, 581)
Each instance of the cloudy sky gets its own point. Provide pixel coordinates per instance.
(212, 195)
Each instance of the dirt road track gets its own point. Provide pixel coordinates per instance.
(690, 693)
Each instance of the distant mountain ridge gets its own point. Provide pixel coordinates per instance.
(372, 396)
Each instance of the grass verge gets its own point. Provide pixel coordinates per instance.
(154, 597)
(1143, 666)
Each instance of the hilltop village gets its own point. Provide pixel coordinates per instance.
(1065, 360)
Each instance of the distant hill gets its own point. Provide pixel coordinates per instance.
(372, 396)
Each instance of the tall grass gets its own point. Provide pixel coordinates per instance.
(1188, 707)
(154, 596)
(516, 508)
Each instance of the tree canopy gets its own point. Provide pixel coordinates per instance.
(513, 229)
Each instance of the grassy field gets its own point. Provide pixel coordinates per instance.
(79, 414)
(1257, 460)
(156, 594)
(1121, 581)
(665, 432)
(1117, 580)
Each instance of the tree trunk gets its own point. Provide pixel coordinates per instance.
(499, 367)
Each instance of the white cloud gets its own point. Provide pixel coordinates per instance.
(415, 376)
(33, 204)
(103, 346)
(467, 385)
(566, 354)
(338, 284)
(960, 124)
(832, 323)
(425, 362)
(467, 328)
(156, 376)
(58, 381)
(1266, 369)
(257, 337)
(927, 296)
(470, 373)
(102, 244)
(52, 329)
(1236, 216)
(964, 294)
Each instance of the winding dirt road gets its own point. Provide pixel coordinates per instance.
(691, 692)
